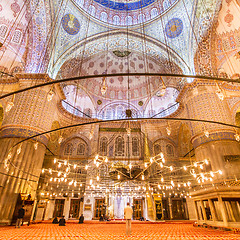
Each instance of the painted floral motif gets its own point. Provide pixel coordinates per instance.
(15, 8)
(174, 27)
(228, 18)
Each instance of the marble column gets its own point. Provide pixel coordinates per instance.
(31, 114)
(202, 102)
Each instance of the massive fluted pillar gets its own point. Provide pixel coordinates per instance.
(212, 141)
(20, 170)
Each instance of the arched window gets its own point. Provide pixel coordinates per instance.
(92, 10)
(68, 149)
(169, 150)
(116, 20)
(81, 149)
(17, 36)
(109, 113)
(154, 13)
(104, 16)
(157, 149)
(119, 146)
(103, 146)
(3, 31)
(129, 20)
(120, 112)
(135, 146)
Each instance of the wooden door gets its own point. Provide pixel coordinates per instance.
(58, 209)
(99, 208)
(137, 208)
(74, 208)
(178, 209)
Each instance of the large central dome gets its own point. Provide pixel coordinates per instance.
(125, 12)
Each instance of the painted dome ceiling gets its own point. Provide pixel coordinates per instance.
(118, 62)
(125, 12)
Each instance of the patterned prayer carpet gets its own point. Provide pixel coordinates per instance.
(113, 232)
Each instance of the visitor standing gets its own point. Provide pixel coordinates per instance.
(21, 213)
(128, 216)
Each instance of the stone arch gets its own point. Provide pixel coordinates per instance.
(156, 49)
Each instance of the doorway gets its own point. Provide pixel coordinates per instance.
(58, 209)
(137, 208)
(74, 208)
(99, 208)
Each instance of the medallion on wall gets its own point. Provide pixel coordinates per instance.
(174, 27)
(70, 24)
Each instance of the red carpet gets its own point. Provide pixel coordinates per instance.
(113, 231)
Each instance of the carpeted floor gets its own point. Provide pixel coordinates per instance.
(113, 231)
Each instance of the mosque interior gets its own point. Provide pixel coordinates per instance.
(104, 102)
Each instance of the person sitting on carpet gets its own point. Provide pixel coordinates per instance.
(55, 220)
(81, 219)
(62, 221)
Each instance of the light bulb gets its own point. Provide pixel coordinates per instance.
(60, 139)
(220, 94)
(206, 133)
(75, 166)
(162, 91)
(91, 135)
(151, 160)
(161, 165)
(185, 168)
(168, 129)
(50, 95)
(97, 164)
(103, 90)
(97, 178)
(142, 177)
(128, 131)
(237, 137)
(106, 159)
(118, 176)
(212, 174)
(90, 182)
(86, 167)
(19, 150)
(59, 174)
(220, 172)
(65, 162)
(162, 180)
(171, 168)
(130, 165)
(50, 170)
(35, 145)
(59, 165)
(9, 106)
(55, 160)
(195, 164)
(201, 166)
(43, 170)
(206, 161)
(145, 164)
